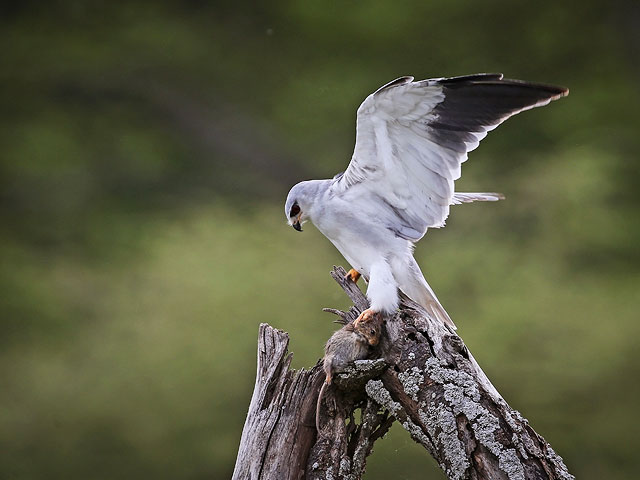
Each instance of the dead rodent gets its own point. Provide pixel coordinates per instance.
(346, 345)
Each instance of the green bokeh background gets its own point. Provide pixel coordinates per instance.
(147, 149)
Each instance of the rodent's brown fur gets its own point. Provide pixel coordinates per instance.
(349, 343)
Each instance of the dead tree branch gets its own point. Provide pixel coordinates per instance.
(427, 380)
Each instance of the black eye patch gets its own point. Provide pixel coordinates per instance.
(295, 210)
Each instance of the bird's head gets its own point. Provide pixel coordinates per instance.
(300, 201)
(293, 206)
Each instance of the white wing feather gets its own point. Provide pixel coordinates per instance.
(412, 138)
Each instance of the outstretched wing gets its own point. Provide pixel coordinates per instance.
(412, 138)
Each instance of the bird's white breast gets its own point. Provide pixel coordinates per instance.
(359, 236)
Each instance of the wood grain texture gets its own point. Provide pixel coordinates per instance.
(279, 430)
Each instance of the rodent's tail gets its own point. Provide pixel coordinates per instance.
(318, 404)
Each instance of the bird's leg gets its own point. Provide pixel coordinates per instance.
(353, 275)
(382, 293)
(366, 316)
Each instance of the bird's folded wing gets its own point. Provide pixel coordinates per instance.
(412, 137)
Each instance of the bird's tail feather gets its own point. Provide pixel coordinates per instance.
(459, 197)
(422, 294)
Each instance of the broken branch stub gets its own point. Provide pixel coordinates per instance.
(279, 430)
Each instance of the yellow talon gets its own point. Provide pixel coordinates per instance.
(354, 275)
(366, 316)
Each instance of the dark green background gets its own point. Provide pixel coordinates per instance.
(146, 152)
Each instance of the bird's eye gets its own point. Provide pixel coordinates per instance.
(295, 210)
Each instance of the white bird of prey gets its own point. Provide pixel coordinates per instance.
(411, 140)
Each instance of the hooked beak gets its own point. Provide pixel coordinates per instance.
(295, 221)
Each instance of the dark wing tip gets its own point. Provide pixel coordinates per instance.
(394, 83)
(555, 90)
(496, 79)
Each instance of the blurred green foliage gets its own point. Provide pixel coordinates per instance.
(147, 149)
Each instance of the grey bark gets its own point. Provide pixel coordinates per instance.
(425, 378)
(280, 427)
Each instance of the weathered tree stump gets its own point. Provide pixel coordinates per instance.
(426, 379)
